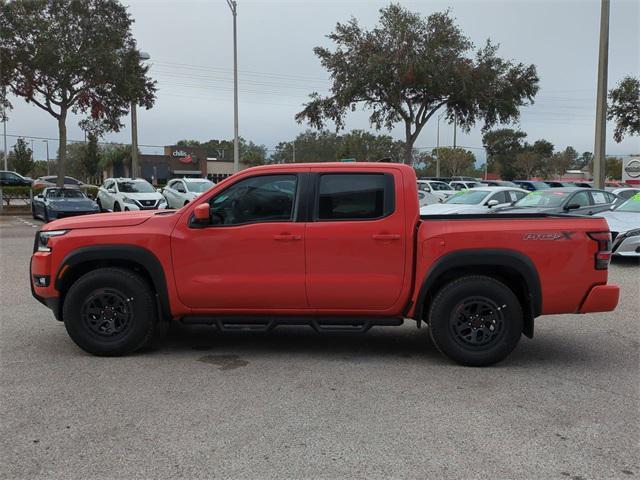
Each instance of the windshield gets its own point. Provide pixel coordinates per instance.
(199, 187)
(468, 197)
(135, 186)
(631, 205)
(64, 193)
(439, 186)
(543, 198)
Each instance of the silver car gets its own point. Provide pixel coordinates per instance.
(181, 191)
(624, 223)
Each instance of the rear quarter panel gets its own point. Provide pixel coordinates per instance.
(560, 249)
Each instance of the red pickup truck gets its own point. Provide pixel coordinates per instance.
(339, 247)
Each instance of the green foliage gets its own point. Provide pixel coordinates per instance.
(325, 146)
(365, 146)
(14, 193)
(311, 146)
(39, 169)
(624, 108)
(408, 67)
(20, 159)
(502, 146)
(73, 55)
(453, 161)
(250, 153)
(115, 154)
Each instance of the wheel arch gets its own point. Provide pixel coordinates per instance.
(513, 268)
(138, 259)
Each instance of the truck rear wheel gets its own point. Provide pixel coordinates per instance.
(475, 320)
(111, 312)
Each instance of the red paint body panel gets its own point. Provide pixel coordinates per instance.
(373, 267)
(601, 298)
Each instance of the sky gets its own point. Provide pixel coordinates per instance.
(190, 44)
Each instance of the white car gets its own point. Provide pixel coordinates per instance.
(181, 191)
(464, 184)
(476, 200)
(625, 193)
(426, 198)
(439, 189)
(624, 224)
(124, 194)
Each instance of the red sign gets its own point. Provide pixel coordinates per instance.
(186, 160)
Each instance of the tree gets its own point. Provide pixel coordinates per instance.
(455, 161)
(528, 163)
(116, 154)
(73, 56)
(365, 146)
(91, 159)
(560, 162)
(252, 154)
(310, 146)
(408, 67)
(624, 108)
(502, 146)
(613, 168)
(20, 159)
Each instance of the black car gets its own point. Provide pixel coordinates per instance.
(54, 203)
(531, 185)
(555, 184)
(498, 183)
(575, 200)
(13, 179)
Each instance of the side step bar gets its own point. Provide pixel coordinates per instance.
(319, 324)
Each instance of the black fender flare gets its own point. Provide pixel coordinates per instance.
(129, 253)
(481, 257)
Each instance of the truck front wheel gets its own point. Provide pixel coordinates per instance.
(475, 320)
(110, 312)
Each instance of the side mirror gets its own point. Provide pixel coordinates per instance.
(492, 203)
(201, 213)
(39, 196)
(572, 206)
(111, 190)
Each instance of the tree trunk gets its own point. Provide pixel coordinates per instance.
(62, 147)
(408, 145)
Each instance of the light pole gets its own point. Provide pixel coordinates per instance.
(599, 149)
(48, 169)
(4, 126)
(134, 129)
(438, 145)
(233, 5)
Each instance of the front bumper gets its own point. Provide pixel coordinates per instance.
(601, 298)
(52, 302)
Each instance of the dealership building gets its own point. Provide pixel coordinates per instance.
(178, 162)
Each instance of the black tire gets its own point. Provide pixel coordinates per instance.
(116, 207)
(475, 321)
(104, 327)
(33, 213)
(186, 203)
(46, 215)
(99, 203)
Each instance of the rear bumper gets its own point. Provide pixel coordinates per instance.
(601, 298)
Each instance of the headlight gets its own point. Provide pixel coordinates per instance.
(42, 239)
(163, 201)
(130, 201)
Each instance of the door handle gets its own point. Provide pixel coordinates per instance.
(285, 237)
(386, 236)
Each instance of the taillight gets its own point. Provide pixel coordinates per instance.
(603, 255)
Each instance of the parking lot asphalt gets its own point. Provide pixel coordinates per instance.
(293, 404)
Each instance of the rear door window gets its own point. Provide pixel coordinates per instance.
(354, 196)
